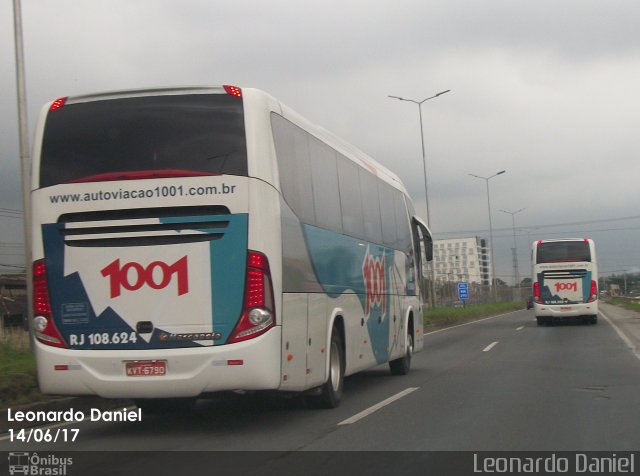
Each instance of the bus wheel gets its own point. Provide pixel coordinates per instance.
(402, 365)
(331, 391)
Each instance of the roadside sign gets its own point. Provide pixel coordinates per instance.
(463, 291)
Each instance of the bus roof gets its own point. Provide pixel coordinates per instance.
(559, 240)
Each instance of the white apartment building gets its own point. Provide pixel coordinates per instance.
(462, 259)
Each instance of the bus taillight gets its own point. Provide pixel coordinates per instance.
(45, 329)
(258, 314)
(537, 297)
(593, 295)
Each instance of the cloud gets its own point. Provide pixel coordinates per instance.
(546, 90)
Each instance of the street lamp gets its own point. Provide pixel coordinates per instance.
(426, 193)
(424, 156)
(493, 275)
(516, 273)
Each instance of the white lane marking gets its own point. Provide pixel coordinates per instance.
(520, 328)
(622, 336)
(377, 406)
(490, 346)
(468, 323)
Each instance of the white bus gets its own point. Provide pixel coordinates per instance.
(189, 241)
(565, 280)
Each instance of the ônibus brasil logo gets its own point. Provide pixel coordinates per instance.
(375, 283)
(157, 275)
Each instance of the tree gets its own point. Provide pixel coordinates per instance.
(525, 283)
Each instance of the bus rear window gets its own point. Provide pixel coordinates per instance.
(198, 133)
(557, 252)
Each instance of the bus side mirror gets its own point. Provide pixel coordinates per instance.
(426, 238)
(429, 249)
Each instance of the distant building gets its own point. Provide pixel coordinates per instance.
(462, 259)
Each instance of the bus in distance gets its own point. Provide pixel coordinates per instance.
(194, 240)
(565, 280)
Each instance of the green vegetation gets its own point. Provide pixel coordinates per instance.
(448, 316)
(18, 383)
(631, 304)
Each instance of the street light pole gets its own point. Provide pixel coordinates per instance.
(426, 192)
(493, 274)
(516, 273)
(424, 154)
(23, 132)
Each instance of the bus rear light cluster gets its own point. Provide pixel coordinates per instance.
(258, 314)
(537, 297)
(43, 325)
(593, 294)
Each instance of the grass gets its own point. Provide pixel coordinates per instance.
(448, 316)
(631, 304)
(18, 384)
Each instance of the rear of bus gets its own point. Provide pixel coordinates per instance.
(148, 282)
(565, 280)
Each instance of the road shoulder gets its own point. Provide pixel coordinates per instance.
(625, 322)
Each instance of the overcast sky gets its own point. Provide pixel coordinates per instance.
(547, 90)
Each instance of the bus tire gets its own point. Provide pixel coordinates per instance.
(402, 366)
(331, 390)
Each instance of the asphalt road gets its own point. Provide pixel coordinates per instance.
(500, 384)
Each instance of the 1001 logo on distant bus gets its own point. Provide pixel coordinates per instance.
(567, 287)
(157, 275)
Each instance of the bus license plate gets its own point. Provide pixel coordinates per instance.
(146, 368)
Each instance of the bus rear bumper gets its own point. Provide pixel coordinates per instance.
(250, 365)
(569, 311)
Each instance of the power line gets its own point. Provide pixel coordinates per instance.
(535, 227)
(11, 213)
(565, 232)
(625, 271)
(12, 266)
